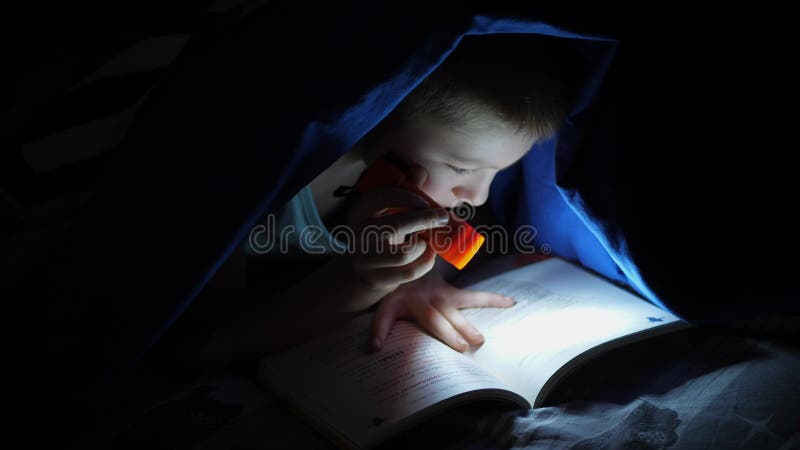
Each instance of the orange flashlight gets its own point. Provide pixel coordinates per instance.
(456, 242)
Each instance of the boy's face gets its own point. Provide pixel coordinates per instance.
(453, 166)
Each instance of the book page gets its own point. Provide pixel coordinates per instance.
(561, 312)
(363, 396)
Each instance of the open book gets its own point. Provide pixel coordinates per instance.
(563, 315)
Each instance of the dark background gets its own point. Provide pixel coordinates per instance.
(702, 98)
(701, 109)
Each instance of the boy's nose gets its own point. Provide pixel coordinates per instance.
(476, 190)
(476, 197)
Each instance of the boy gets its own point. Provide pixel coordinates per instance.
(476, 114)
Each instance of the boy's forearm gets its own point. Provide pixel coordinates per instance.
(324, 300)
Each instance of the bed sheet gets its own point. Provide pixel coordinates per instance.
(696, 388)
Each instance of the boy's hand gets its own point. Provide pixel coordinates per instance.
(383, 254)
(434, 304)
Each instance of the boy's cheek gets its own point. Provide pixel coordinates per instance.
(438, 192)
(448, 189)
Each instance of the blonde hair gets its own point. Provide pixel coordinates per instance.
(515, 81)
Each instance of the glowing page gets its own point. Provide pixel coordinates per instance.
(562, 312)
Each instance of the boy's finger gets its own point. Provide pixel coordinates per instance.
(386, 315)
(432, 320)
(408, 222)
(403, 274)
(465, 298)
(460, 323)
(384, 254)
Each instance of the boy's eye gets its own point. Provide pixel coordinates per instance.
(459, 170)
